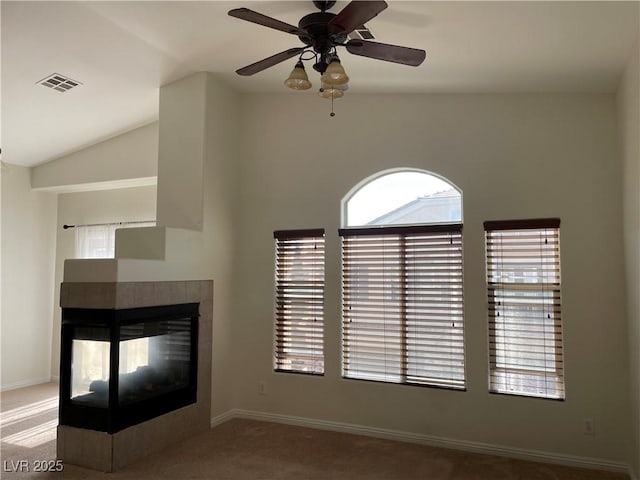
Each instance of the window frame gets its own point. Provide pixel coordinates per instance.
(412, 250)
(496, 244)
(417, 226)
(344, 217)
(290, 311)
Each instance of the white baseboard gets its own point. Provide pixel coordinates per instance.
(24, 383)
(219, 419)
(431, 440)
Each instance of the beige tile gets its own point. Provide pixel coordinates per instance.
(193, 291)
(102, 295)
(205, 334)
(162, 293)
(144, 294)
(72, 444)
(207, 290)
(205, 331)
(126, 295)
(128, 446)
(97, 449)
(60, 442)
(88, 295)
(178, 292)
(205, 353)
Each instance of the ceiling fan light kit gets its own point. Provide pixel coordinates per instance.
(321, 33)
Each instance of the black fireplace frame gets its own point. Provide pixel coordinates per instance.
(116, 417)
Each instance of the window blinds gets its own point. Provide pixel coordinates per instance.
(402, 305)
(525, 327)
(299, 309)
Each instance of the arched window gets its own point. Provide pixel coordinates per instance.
(402, 318)
(407, 197)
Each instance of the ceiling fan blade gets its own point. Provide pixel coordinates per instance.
(354, 15)
(260, 19)
(388, 53)
(268, 62)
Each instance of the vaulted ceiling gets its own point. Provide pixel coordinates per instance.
(120, 53)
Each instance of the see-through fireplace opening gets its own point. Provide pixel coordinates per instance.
(123, 367)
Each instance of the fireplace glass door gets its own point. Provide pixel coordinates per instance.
(155, 359)
(90, 360)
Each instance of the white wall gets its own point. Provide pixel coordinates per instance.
(629, 125)
(128, 159)
(182, 148)
(28, 248)
(104, 206)
(514, 156)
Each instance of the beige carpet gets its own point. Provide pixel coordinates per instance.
(250, 450)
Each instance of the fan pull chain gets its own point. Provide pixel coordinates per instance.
(332, 114)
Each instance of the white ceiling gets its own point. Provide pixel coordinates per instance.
(123, 51)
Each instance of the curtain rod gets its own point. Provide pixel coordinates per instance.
(107, 224)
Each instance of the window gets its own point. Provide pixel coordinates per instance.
(525, 327)
(402, 318)
(406, 197)
(299, 309)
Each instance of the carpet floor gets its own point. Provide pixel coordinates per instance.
(252, 450)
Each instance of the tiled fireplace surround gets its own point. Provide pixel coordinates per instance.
(110, 452)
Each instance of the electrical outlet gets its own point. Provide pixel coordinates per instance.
(587, 426)
(262, 388)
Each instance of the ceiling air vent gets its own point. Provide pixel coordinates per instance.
(362, 33)
(59, 82)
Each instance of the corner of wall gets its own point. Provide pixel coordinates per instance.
(628, 100)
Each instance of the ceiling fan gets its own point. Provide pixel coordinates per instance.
(321, 32)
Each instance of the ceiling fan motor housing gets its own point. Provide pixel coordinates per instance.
(319, 38)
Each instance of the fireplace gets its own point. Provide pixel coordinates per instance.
(122, 367)
(126, 327)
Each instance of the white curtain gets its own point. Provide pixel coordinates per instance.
(99, 241)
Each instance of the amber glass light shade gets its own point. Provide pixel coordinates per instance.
(332, 91)
(335, 74)
(329, 92)
(298, 79)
